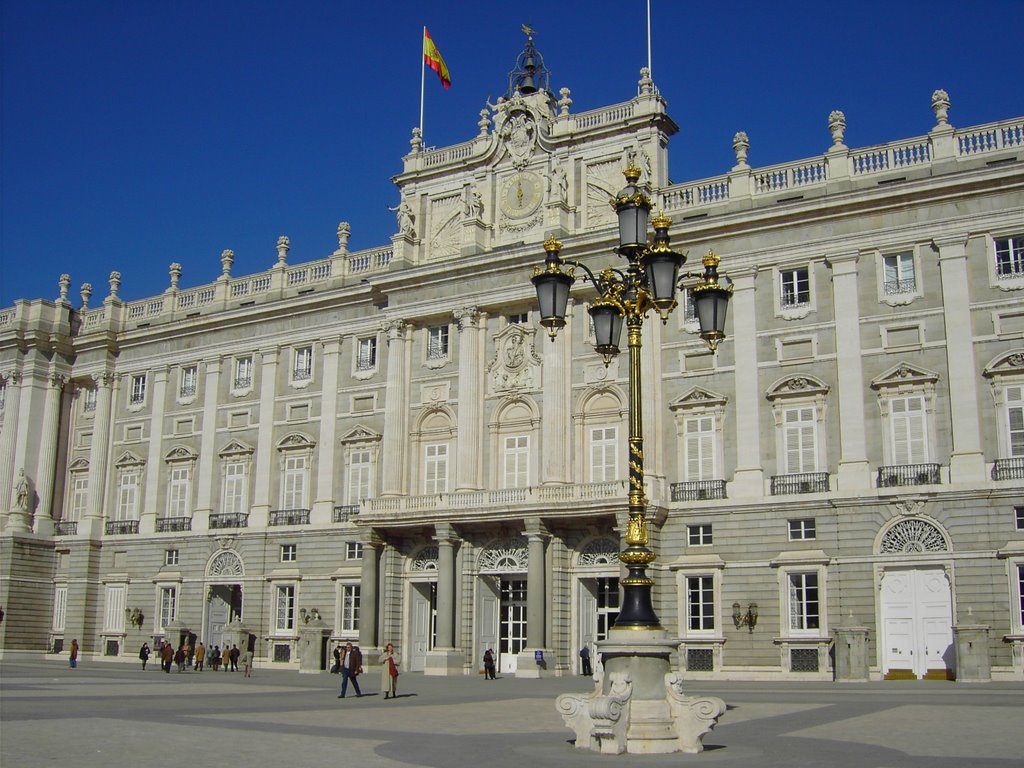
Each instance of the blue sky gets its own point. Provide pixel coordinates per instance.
(136, 134)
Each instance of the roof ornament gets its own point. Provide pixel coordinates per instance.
(530, 75)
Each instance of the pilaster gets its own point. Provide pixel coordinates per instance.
(47, 462)
(154, 459)
(206, 492)
(748, 479)
(323, 504)
(396, 409)
(99, 452)
(265, 439)
(469, 452)
(556, 422)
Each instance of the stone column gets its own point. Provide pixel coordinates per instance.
(7, 434)
(265, 440)
(851, 646)
(396, 410)
(973, 663)
(47, 463)
(469, 443)
(445, 658)
(854, 471)
(536, 606)
(556, 408)
(748, 479)
(966, 461)
(372, 547)
(206, 491)
(154, 458)
(99, 451)
(323, 504)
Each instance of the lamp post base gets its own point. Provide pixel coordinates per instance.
(638, 705)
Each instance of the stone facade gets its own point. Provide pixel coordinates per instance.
(388, 437)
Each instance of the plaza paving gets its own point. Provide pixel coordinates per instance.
(111, 715)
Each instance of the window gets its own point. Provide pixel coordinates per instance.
(899, 274)
(517, 459)
(289, 553)
(189, 381)
(128, 496)
(353, 550)
(79, 495)
(293, 485)
(1010, 257)
(1018, 514)
(302, 364)
(802, 529)
(285, 608)
(359, 473)
(137, 394)
(113, 609)
(236, 486)
(607, 606)
(89, 400)
(1020, 594)
(800, 440)
(909, 435)
(170, 557)
(700, 603)
(1014, 410)
(689, 314)
(795, 286)
(520, 318)
(699, 535)
(179, 492)
(435, 469)
(60, 606)
(3, 394)
(604, 447)
(437, 342)
(349, 613)
(804, 607)
(699, 447)
(366, 354)
(243, 372)
(168, 607)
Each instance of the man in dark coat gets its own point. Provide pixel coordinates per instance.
(351, 667)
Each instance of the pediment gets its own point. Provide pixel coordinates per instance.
(904, 374)
(129, 459)
(797, 386)
(360, 434)
(1007, 364)
(295, 441)
(180, 453)
(236, 448)
(79, 465)
(698, 397)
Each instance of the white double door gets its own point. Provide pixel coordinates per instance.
(917, 621)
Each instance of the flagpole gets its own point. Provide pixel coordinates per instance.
(649, 39)
(423, 77)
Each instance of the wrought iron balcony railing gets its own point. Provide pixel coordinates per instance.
(897, 475)
(804, 482)
(698, 490)
(229, 520)
(289, 517)
(169, 524)
(1008, 469)
(898, 287)
(342, 514)
(122, 526)
(65, 528)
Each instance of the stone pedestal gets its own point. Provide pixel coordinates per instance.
(444, 662)
(851, 648)
(311, 641)
(638, 705)
(973, 664)
(529, 665)
(235, 633)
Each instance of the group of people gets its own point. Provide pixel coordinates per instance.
(348, 662)
(196, 658)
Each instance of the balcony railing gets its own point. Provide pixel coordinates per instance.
(342, 514)
(898, 287)
(65, 528)
(243, 382)
(908, 474)
(114, 527)
(169, 524)
(289, 517)
(1008, 469)
(804, 482)
(698, 490)
(229, 520)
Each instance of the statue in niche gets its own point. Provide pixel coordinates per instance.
(22, 490)
(558, 185)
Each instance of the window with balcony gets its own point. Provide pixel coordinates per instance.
(794, 287)
(79, 494)
(179, 492)
(1013, 414)
(900, 274)
(294, 482)
(604, 454)
(128, 495)
(137, 391)
(517, 462)
(360, 474)
(242, 381)
(236, 488)
(437, 342)
(302, 364)
(89, 400)
(906, 397)
(1009, 257)
(699, 447)
(800, 439)
(189, 382)
(435, 468)
(284, 614)
(366, 353)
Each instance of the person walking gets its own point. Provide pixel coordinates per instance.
(73, 659)
(179, 657)
(585, 661)
(247, 663)
(489, 664)
(351, 668)
(336, 669)
(167, 656)
(200, 657)
(215, 658)
(144, 653)
(389, 672)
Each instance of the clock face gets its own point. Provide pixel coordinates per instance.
(521, 195)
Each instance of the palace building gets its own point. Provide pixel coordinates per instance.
(385, 446)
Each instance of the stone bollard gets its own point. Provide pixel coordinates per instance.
(973, 664)
(851, 648)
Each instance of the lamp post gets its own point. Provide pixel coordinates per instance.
(636, 655)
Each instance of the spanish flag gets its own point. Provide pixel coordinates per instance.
(432, 58)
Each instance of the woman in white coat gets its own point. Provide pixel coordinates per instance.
(389, 672)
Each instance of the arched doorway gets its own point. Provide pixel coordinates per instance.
(597, 594)
(224, 574)
(501, 601)
(422, 602)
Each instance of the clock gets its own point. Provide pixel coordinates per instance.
(521, 195)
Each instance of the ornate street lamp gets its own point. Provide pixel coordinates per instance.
(649, 281)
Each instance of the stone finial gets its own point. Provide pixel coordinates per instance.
(940, 106)
(344, 230)
(175, 272)
(741, 145)
(564, 103)
(227, 258)
(115, 283)
(416, 142)
(283, 246)
(645, 84)
(65, 286)
(484, 122)
(86, 293)
(837, 127)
